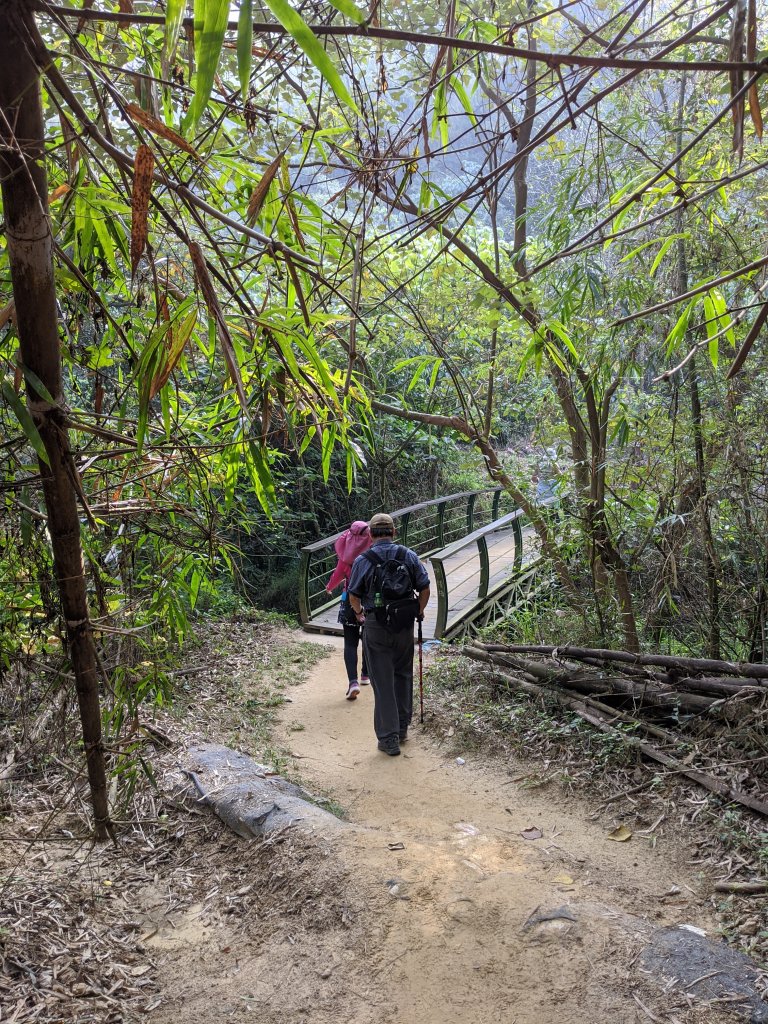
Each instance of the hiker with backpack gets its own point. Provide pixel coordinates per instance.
(348, 546)
(388, 590)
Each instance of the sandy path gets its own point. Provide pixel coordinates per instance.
(448, 936)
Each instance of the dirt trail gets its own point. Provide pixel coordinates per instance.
(448, 940)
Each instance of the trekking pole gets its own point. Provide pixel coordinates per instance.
(421, 677)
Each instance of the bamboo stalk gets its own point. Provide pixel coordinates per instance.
(742, 888)
(729, 668)
(649, 692)
(579, 706)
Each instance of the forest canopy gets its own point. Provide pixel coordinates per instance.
(297, 263)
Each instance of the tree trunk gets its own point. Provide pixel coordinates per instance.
(30, 251)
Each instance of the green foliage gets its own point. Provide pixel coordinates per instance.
(197, 497)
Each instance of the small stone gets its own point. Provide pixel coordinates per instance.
(460, 760)
(326, 973)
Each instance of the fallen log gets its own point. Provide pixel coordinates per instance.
(715, 685)
(615, 714)
(649, 693)
(577, 704)
(746, 670)
(742, 888)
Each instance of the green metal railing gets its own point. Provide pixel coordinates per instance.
(474, 591)
(427, 527)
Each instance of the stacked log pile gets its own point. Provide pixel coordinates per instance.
(705, 720)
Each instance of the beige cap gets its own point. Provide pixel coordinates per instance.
(381, 521)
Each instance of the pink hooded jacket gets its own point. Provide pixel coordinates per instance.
(351, 543)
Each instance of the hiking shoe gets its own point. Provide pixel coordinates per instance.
(403, 735)
(353, 690)
(365, 681)
(390, 746)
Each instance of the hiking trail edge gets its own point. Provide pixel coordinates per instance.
(470, 922)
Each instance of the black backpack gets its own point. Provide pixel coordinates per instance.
(394, 603)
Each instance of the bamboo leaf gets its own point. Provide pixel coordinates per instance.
(143, 168)
(290, 206)
(560, 332)
(25, 420)
(194, 588)
(714, 351)
(662, 253)
(245, 47)
(107, 243)
(215, 15)
(261, 477)
(464, 99)
(293, 273)
(712, 325)
(308, 42)
(440, 114)
(710, 317)
(174, 15)
(681, 326)
(423, 363)
(349, 10)
(260, 192)
(555, 356)
(58, 193)
(179, 341)
(157, 127)
(307, 439)
(37, 385)
(217, 316)
(148, 368)
(327, 442)
(725, 323)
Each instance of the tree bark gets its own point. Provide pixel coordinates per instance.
(30, 250)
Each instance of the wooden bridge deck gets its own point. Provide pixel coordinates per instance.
(462, 573)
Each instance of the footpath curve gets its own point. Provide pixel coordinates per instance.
(470, 922)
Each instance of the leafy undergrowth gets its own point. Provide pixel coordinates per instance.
(77, 920)
(543, 745)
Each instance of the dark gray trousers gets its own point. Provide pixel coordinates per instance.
(390, 665)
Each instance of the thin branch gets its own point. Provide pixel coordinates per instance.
(449, 42)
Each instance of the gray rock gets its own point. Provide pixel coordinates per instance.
(248, 798)
(707, 969)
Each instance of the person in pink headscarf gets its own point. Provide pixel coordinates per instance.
(350, 544)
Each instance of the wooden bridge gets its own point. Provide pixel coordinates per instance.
(481, 553)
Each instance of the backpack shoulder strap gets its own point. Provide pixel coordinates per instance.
(400, 556)
(372, 557)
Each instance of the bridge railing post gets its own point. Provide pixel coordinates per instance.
(304, 609)
(471, 499)
(517, 533)
(485, 566)
(441, 585)
(441, 524)
(402, 528)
